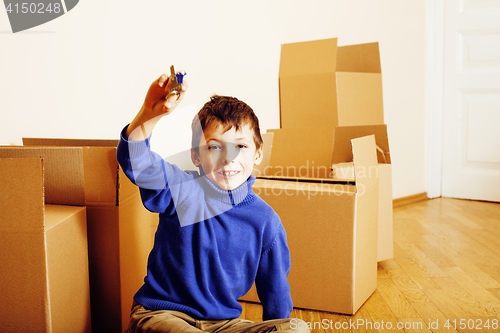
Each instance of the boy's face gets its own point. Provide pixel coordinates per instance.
(227, 158)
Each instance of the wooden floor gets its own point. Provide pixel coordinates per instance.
(446, 270)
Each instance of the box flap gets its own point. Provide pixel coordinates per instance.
(359, 99)
(63, 172)
(309, 57)
(24, 283)
(99, 164)
(364, 58)
(366, 223)
(365, 162)
(22, 246)
(101, 175)
(308, 100)
(21, 194)
(56, 214)
(304, 151)
(344, 134)
(50, 142)
(68, 269)
(125, 188)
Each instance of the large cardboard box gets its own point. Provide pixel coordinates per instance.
(325, 152)
(119, 232)
(331, 224)
(44, 279)
(323, 84)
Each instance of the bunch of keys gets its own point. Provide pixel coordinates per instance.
(175, 82)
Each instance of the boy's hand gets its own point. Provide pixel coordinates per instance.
(155, 106)
(155, 102)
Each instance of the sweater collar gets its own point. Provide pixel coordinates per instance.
(239, 195)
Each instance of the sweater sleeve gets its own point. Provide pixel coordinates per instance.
(271, 281)
(158, 180)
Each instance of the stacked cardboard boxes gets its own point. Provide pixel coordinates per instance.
(119, 228)
(328, 178)
(44, 279)
(325, 176)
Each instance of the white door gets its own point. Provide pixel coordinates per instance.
(471, 114)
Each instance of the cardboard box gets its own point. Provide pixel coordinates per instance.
(320, 152)
(322, 84)
(341, 170)
(331, 224)
(44, 278)
(119, 232)
(328, 95)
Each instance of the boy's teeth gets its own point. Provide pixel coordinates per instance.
(229, 173)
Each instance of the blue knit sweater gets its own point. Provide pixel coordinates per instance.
(211, 244)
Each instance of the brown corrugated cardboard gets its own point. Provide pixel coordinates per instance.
(316, 148)
(308, 148)
(347, 133)
(331, 229)
(101, 169)
(298, 152)
(119, 232)
(322, 84)
(385, 216)
(63, 177)
(43, 253)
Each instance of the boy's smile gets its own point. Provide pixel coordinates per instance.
(227, 158)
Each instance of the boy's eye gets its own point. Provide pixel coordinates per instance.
(211, 147)
(241, 146)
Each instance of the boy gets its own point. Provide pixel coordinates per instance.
(215, 235)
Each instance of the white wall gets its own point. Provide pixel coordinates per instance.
(85, 74)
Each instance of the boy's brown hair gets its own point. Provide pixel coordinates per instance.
(227, 111)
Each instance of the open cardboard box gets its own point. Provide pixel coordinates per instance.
(331, 224)
(343, 170)
(322, 84)
(43, 249)
(120, 231)
(320, 152)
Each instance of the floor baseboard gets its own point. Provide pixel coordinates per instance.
(409, 200)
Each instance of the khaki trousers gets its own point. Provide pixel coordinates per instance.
(144, 320)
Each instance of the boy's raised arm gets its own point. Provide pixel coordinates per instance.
(155, 106)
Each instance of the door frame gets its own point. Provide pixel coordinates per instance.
(434, 92)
